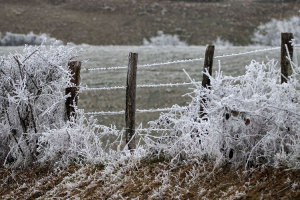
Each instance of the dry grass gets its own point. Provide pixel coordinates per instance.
(224, 182)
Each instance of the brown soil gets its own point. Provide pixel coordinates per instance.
(119, 22)
(89, 182)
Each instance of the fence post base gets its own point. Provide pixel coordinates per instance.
(72, 101)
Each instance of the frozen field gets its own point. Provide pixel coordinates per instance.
(148, 98)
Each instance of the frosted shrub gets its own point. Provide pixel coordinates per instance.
(270, 33)
(32, 99)
(78, 141)
(220, 42)
(164, 40)
(14, 39)
(248, 120)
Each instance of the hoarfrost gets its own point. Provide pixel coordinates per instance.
(14, 39)
(164, 40)
(269, 34)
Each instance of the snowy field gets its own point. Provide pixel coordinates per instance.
(150, 98)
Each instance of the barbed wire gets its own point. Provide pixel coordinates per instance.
(145, 65)
(178, 108)
(182, 61)
(165, 85)
(149, 129)
(249, 52)
(103, 88)
(138, 86)
(106, 113)
(161, 109)
(103, 68)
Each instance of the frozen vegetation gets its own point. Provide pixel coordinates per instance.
(14, 39)
(269, 33)
(164, 40)
(249, 121)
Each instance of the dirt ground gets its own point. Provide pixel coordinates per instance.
(155, 180)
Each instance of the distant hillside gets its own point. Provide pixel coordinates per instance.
(119, 22)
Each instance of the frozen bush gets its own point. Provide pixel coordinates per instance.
(79, 141)
(248, 120)
(32, 97)
(220, 42)
(269, 34)
(164, 40)
(13, 39)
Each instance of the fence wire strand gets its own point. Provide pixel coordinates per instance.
(178, 108)
(138, 86)
(182, 61)
(249, 52)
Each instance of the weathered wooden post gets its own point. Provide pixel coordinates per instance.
(208, 63)
(75, 67)
(286, 68)
(130, 100)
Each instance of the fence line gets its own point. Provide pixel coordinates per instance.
(208, 62)
(138, 86)
(183, 61)
(122, 112)
(160, 85)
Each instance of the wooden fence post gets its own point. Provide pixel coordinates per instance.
(130, 100)
(286, 69)
(208, 63)
(75, 67)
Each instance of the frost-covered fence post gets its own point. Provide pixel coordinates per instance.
(72, 101)
(286, 69)
(208, 63)
(130, 100)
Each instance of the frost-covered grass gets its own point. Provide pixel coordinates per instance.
(248, 121)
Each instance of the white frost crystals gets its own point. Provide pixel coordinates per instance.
(32, 97)
(269, 34)
(248, 120)
(164, 40)
(14, 39)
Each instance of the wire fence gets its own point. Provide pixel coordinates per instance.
(138, 86)
(160, 85)
(185, 60)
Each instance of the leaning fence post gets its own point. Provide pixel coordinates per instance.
(208, 63)
(286, 69)
(130, 100)
(72, 101)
